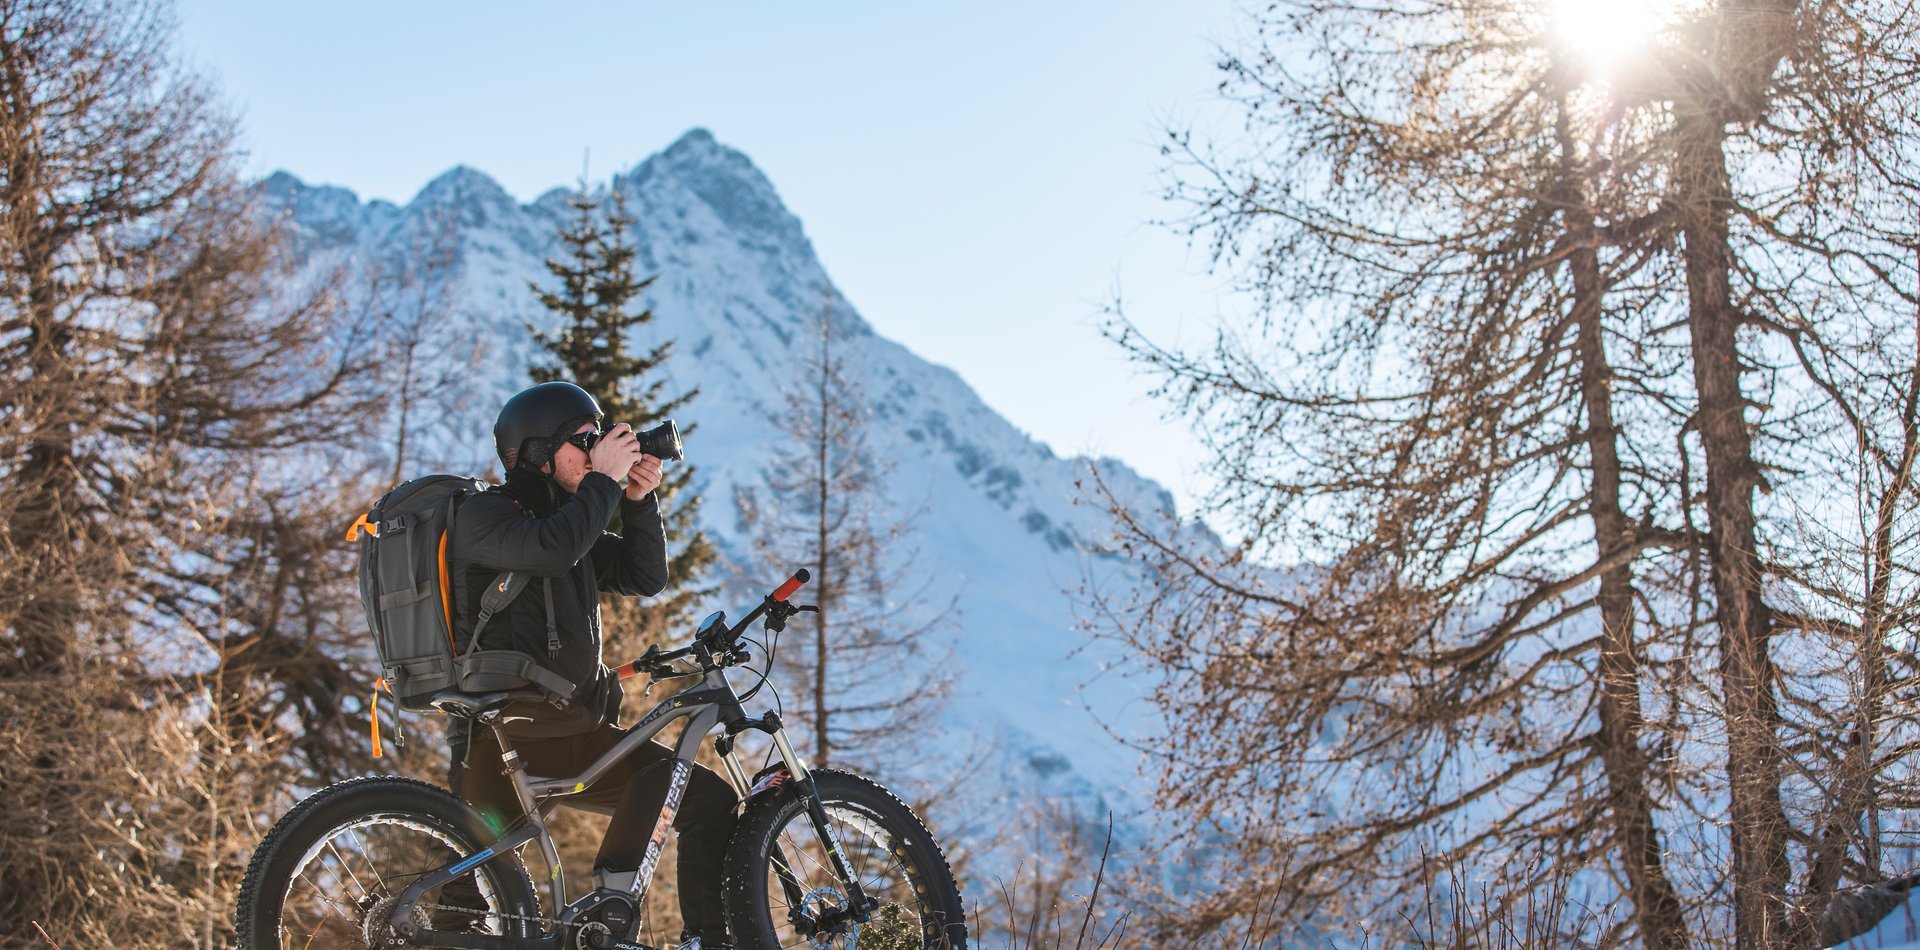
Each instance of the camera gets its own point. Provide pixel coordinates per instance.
(662, 441)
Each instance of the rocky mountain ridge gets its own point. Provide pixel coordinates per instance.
(998, 516)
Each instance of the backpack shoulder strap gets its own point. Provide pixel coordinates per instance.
(553, 632)
(501, 591)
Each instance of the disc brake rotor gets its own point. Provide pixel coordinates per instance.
(819, 903)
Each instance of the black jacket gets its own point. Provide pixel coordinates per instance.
(529, 524)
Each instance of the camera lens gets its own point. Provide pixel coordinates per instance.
(662, 441)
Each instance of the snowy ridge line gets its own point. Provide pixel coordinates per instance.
(737, 283)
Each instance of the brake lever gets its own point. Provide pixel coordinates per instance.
(779, 611)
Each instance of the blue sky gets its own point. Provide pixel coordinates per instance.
(978, 179)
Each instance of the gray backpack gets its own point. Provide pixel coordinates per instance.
(409, 601)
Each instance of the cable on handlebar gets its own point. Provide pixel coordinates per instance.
(654, 662)
(770, 648)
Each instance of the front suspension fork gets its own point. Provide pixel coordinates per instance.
(859, 906)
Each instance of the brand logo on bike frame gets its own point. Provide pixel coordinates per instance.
(676, 789)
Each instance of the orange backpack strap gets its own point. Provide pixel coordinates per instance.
(375, 707)
(398, 736)
(353, 530)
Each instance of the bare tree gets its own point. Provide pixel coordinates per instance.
(410, 301)
(1801, 292)
(168, 410)
(154, 810)
(869, 667)
(1498, 409)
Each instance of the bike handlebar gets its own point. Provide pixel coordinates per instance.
(779, 596)
(651, 660)
(793, 583)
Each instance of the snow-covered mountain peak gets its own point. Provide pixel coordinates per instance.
(462, 185)
(555, 202)
(727, 183)
(331, 213)
(470, 200)
(737, 290)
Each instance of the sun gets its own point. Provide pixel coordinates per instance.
(1607, 34)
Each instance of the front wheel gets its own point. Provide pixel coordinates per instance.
(329, 873)
(781, 890)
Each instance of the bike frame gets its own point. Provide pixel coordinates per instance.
(707, 705)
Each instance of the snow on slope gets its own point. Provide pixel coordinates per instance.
(1899, 931)
(737, 284)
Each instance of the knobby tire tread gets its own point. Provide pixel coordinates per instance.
(745, 869)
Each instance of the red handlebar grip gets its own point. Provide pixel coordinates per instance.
(625, 671)
(793, 583)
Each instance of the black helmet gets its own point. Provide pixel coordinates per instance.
(536, 418)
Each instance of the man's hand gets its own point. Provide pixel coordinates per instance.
(616, 453)
(643, 477)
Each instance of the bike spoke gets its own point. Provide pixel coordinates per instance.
(806, 884)
(329, 923)
(310, 939)
(903, 879)
(347, 868)
(316, 927)
(323, 898)
(856, 857)
(373, 862)
(874, 882)
(316, 889)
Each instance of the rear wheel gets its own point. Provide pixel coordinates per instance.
(781, 891)
(329, 873)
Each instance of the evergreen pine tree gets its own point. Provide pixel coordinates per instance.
(595, 288)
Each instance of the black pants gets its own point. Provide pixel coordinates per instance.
(632, 792)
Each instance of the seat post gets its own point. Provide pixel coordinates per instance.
(516, 773)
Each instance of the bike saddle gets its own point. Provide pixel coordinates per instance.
(474, 705)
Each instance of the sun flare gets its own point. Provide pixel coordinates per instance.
(1607, 33)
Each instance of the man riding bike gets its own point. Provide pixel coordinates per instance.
(565, 479)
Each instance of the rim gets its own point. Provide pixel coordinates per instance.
(887, 872)
(349, 877)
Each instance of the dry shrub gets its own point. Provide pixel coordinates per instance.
(1053, 900)
(1504, 915)
(131, 810)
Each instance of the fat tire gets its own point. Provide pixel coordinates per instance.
(257, 912)
(755, 836)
